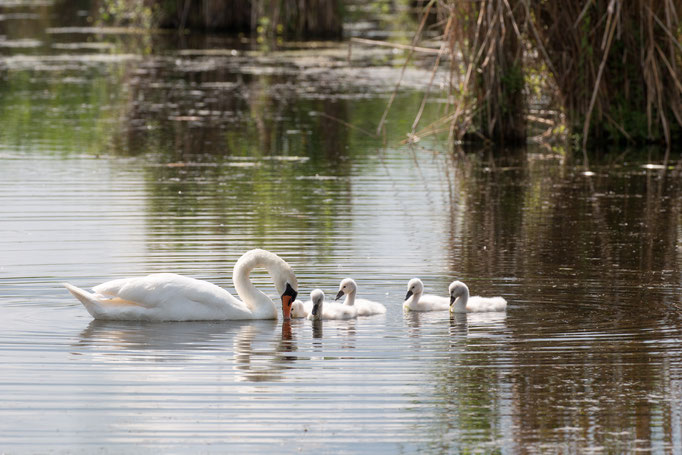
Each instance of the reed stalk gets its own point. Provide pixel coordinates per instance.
(614, 66)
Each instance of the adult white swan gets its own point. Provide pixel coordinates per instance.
(460, 302)
(416, 300)
(364, 307)
(321, 310)
(171, 297)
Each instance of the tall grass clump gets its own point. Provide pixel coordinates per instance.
(614, 67)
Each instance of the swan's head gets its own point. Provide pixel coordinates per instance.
(288, 297)
(414, 286)
(317, 296)
(287, 287)
(346, 286)
(280, 272)
(457, 289)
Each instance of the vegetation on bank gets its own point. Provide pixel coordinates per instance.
(614, 66)
(300, 19)
(611, 68)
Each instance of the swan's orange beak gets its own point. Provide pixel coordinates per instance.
(287, 301)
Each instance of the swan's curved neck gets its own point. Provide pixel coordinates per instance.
(350, 298)
(460, 305)
(259, 303)
(416, 296)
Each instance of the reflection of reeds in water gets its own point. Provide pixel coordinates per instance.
(264, 19)
(609, 240)
(524, 220)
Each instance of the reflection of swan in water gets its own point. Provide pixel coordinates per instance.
(171, 297)
(259, 352)
(119, 337)
(263, 364)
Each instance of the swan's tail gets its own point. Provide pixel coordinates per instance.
(87, 299)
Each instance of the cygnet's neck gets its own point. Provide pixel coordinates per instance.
(318, 310)
(350, 298)
(460, 305)
(415, 297)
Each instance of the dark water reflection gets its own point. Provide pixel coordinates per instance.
(122, 156)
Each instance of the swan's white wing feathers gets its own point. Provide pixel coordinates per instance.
(176, 296)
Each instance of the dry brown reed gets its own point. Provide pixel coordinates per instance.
(615, 67)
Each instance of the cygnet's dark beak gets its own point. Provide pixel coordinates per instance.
(339, 295)
(409, 294)
(316, 309)
(452, 299)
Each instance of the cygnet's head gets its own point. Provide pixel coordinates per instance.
(317, 297)
(346, 286)
(457, 289)
(414, 286)
(298, 310)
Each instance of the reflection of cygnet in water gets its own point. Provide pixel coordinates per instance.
(317, 329)
(460, 302)
(416, 300)
(321, 310)
(485, 325)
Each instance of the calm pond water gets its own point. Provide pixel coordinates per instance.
(125, 154)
